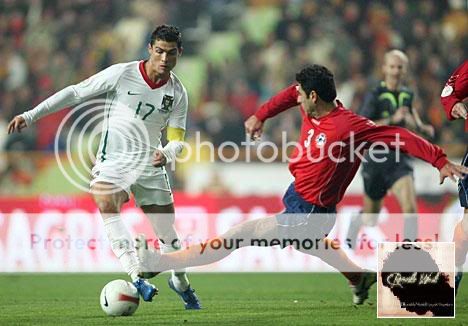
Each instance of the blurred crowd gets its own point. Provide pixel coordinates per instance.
(350, 37)
(47, 45)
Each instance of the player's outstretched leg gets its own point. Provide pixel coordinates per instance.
(212, 250)
(360, 280)
(354, 228)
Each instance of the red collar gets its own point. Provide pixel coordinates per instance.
(150, 83)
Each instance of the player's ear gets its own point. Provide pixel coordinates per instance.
(150, 47)
(181, 49)
(313, 96)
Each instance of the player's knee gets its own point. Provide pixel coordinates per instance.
(107, 205)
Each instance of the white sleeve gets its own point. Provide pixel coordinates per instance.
(178, 117)
(97, 84)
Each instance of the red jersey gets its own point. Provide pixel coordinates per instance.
(455, 90)
(324, 161)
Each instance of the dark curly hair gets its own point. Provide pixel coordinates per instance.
(167, 33)
(319, 79)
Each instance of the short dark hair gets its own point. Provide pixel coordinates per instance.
(319, 79)
(167, 33)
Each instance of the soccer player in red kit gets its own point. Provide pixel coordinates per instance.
(453, 98)
(323, 164)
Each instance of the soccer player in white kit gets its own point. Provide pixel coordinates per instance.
(142, 99)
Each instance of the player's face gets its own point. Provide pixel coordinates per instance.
(163, 56)
(395, 68)
(307, 102)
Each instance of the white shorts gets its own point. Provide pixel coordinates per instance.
(147, 190)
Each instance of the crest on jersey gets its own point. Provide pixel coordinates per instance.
(166, 103)
(321, 139)
(448, 90)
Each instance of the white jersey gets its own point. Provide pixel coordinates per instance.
(136, 111)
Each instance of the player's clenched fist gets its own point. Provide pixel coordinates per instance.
(159, 159)
(253, 127)
(16, 124)
(459, 111)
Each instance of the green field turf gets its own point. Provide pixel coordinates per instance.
(228, 299)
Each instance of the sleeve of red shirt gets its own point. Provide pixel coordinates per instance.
(410, 143)
(456, 89)
(285, 99)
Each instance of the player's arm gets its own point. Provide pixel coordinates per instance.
(175, 133)
(454, 92)
(398, 138)
(285, 99)
(97, 84)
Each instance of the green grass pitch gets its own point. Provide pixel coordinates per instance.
(228, 299)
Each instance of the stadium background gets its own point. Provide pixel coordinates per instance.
(236, 55)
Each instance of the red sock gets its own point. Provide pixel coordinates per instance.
(461, 244)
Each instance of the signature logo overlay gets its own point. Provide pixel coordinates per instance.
(416, 280)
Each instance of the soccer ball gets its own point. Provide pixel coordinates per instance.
(119, 298)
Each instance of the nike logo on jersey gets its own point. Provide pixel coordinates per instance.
(132, 93)
(316, 122)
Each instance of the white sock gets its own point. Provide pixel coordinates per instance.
(179, 277)
(122, 245)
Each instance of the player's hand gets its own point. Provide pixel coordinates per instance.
(452, 170)
(459, 111)
(159, 159)
(16, 124)
(400, 115)
(427, 130)
(253, 127)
